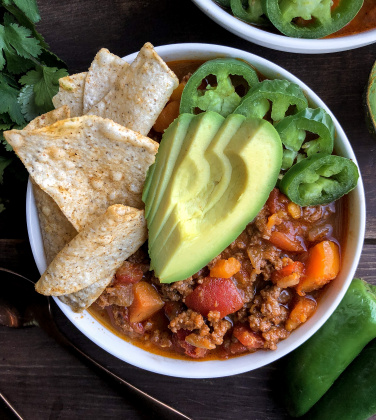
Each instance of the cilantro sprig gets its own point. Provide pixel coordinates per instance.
(29, 78)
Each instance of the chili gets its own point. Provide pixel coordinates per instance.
(223, 97)
(281, 93)
(315, 365)
(319, 179)
(293, 132)
(310, 19)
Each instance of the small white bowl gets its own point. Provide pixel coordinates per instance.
(217, 368)
(267, 39)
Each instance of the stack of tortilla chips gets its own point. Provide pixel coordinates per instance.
(88, 160)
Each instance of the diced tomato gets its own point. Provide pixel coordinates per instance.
(189, 350)
(247, 337)
(287, 242)
(128, 273)
(146, 302)
(276, 201)
(215, 294)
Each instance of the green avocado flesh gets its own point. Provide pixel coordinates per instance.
(210, 179)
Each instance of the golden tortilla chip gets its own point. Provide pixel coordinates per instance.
(49, 118)
(81, 300)
(86, 164)
(101, 77)
(140, 93)
(56, 229)
(96, 252)
(71, 93)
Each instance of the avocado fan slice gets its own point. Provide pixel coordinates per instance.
(219, 182)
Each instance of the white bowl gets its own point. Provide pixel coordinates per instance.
(217, 368)
(281, 42)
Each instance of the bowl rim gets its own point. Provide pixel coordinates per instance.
(138, 357)
(281, 42)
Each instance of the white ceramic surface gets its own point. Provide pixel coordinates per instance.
(264, 38)
(210, 369)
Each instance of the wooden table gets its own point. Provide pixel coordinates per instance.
(43, 380)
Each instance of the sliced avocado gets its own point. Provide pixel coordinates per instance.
(159, 175)
(220, 182)
(215, 184)
(198, 136)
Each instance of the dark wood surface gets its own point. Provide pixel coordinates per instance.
(41, 379)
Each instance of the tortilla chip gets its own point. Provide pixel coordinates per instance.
(49, 118)
(96, 252)
(101, 77)
(86, 164)
(71, 93)
(56, 229)
(81, 300)
(140, 93)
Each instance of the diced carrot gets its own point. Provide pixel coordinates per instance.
(167, 116)
(225, 268)
(146, 302)
(303, 309)
(247, 337)
(289, 275)
(176, 94)
(215, 294)
(322, 265)
(286, 242)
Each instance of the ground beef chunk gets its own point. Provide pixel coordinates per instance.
(120, 295)
(204, 335)
(187, 320)
(268, 314)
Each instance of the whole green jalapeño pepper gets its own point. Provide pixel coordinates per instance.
(293, 132)
(222, 97)
(352, 395)
(282, 95)
(319, 179)
(311, 18)
(313, 367)
(250, 11)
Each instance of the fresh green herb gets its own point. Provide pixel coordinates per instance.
(29, 78)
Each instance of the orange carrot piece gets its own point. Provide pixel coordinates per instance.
(286, 242)
(225, 268)
(167, 116)
(146, 302)
(323, 265)
(247, 337)
(303, 309)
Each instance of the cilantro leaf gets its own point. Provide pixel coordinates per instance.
(26, 22)
(9, 103)
(29, 7)
(45, 81)
(26, 99)
(16, 41)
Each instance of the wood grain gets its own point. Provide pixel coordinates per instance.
(43, 380)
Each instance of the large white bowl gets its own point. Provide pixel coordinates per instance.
(280, 42)
(216, 368)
